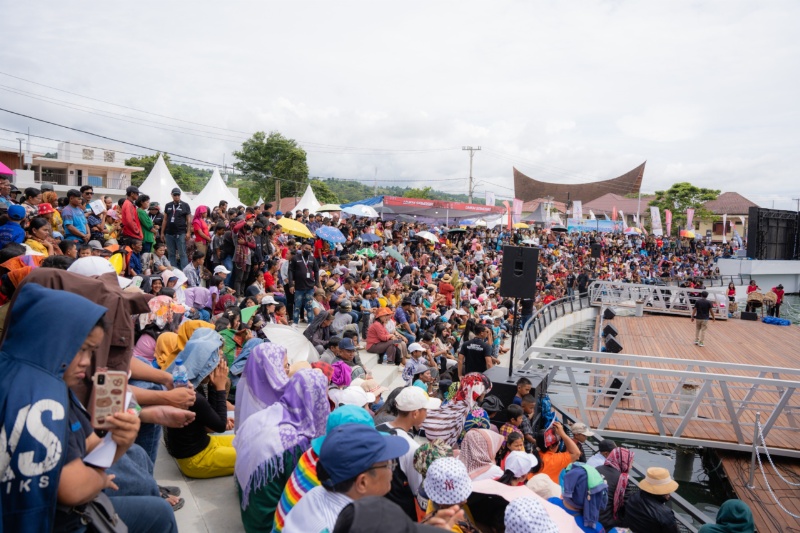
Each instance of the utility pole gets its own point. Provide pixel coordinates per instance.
(798, 203)
(21, 164)
(471, 155)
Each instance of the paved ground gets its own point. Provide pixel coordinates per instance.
(212, 505)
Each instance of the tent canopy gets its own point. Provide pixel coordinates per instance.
(214, 192)
(434, 209)
(308, 201)
(159, 183)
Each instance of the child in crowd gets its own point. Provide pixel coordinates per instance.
(524, 387)
(528, 410)
(514, 415)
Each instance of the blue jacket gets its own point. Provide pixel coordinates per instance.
(33, 400)
(11, 232)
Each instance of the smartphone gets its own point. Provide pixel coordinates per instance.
(108, 396)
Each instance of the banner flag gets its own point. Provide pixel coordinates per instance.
(577, 209)
(655, 221)
(668, 221)
(690, 219)
(489, 198)
(725, 228)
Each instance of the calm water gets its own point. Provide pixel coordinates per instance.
(698, 482)
(791, 308)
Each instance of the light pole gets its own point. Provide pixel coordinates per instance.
(21, 163)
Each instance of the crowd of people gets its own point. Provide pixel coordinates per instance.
(180, 299)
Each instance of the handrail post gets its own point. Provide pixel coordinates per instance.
(755, 451)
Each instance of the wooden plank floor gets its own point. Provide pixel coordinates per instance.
(731, 341)
(768, 516)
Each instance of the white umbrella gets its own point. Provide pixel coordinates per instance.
(428, 235)
(361, 210)
(297, 346)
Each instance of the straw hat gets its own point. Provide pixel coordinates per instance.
(658, 481)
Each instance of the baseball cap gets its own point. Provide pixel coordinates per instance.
(57, 235)
(413, 398)
(220, 269)
(346, 414)
(278, 213)
(492, 404)
(352, 395)
(520, 463)
(606, 445)
(176, 191)
(268, 300)
(347, 344)
(16, 213)
(95, 245)
(350, 449)
(447, 481)
(46, 187)
(154, 205)
(130, 190)
(406, 301)
(579, 428)
(545, 487)
(415, 347)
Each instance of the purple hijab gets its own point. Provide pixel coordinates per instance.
(198, 297)
(263, 381)
(290, 425)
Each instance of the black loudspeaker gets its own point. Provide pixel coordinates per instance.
(615, 386)
(612, 345)
(505, 387)
(749, 316)
(595, 251)
(608, 314)
(518, 277)
(610, 331)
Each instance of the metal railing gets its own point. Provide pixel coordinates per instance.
(686, 402)
(656, 298)
(545, 315)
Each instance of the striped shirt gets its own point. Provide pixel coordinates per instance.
(316, 512)
(304, 478)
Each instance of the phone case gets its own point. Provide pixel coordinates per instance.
(108, 396)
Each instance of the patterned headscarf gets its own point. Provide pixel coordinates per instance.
(342, 374)
(447, 422)
(428, 453)
(528, 514)
(479, 449)
(325, 368)
(263, 381)
(476, 419)
(288, 425)
(620, 459)
(162, 312)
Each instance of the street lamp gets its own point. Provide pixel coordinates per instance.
(20, 139)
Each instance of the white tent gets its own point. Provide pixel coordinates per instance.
(308, 201)
(159, 183)
(260, 201)
(214, 192)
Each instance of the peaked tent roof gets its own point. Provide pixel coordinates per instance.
(214, 192)
(375, 200)
(308, 201)
(159, 183)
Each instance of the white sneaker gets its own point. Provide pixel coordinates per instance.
(700, 344)
(696, 342)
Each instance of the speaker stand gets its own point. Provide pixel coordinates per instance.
(513, 338)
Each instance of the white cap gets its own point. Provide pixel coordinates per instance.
(520, 463)
(415, 347)
(220, 269)
(355, 396)
(268, 300)
(579, 428)
(413, 398)
(96, 266)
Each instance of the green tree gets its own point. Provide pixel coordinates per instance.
(264, 159)
(322, 192)
(189, 179)
(424, 193)
(682, 196)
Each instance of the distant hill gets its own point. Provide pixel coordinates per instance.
(350, 191)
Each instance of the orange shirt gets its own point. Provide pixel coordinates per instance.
(553, 463)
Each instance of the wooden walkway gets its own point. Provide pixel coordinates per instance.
(768, 516)
(731, 341)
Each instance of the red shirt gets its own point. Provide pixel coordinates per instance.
(131, 227)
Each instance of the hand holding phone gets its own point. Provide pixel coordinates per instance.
(108, 397)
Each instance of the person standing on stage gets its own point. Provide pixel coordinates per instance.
(700, 313)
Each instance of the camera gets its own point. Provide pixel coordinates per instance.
(101, 379)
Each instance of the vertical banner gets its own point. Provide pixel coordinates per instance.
(668, 221)
(489, 198)
(591, 215)
(690, 219)
(614, 214)
(655, 221)
(622, 218)
(516, 210)
(508, 212)
(725, 228)
(577, 209)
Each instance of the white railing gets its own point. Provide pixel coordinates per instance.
(655, 298)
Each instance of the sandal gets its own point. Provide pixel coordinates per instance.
(169, 490)
(175, 506)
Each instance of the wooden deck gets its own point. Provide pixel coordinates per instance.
(731, 341)
(768, 516)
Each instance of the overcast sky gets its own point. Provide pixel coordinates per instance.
(706, 92)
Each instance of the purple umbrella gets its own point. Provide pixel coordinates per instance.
(5, 171)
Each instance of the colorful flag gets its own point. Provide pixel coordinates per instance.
(489, 198)
(516, 210)
(655, 221)
(668, 220)
(591, 215)
(725, 228)
(577, 210)
(689, 218)
(622, 217)
(508, 211)
(614, 214)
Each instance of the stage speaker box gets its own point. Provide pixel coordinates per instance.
(608, 314)
(613, 345)
(610, 331)
(749, 316)
(505, 387)
(615, 385)
(519, 269)
(596, 251)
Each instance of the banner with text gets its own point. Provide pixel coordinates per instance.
(655, 222)
(489, 198)
(668, 221)
(603, 226)
(577, 209)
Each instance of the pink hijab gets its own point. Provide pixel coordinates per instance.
(478, 450)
